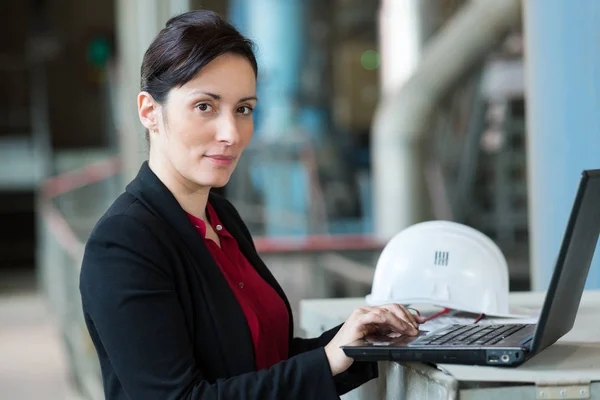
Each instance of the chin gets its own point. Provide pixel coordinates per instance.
(213, 181)
(218, 185)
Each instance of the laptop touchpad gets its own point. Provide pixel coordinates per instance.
(396, 340)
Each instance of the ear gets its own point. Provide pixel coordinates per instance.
(148, 111)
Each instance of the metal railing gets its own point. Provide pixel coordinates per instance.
(81, 195)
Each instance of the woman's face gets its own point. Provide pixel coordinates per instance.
(201, 130)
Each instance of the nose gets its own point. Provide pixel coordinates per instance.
(227, 130)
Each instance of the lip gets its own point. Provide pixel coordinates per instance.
(221, 159)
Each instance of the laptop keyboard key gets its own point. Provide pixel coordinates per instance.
(469, 335)
(507, 333)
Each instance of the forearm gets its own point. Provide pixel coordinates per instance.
(300, 345)
(358, 374)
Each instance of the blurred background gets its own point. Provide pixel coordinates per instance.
(374, 115)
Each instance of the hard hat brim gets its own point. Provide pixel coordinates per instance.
(510, 313)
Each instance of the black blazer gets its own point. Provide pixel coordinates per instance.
(164, 321)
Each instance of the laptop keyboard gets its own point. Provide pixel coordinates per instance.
(470, 335)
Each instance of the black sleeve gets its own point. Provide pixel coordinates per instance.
(129, 297)
(358, 374)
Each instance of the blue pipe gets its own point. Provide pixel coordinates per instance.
(562, 42)
(277, 28)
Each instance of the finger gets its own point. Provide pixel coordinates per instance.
(366, 329)
(416, 315)
(367, 324)
(409, 314)
(365, 310)
(389, 320)
(398, 311)
(368, 309)
(375, 310)
(406, 325)
(403, 313)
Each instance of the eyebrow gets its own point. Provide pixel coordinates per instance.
(218, 96)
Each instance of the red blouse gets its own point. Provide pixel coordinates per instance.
(265, 311)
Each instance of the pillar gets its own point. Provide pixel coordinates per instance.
(563, 122)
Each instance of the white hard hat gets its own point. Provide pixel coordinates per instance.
(446, 264)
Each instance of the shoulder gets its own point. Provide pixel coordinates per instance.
(126, 215)
(127, 236)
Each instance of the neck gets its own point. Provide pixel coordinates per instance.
(190, 196)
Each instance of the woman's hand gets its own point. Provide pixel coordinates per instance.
(366, 321)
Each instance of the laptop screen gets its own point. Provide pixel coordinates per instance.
(572, 265)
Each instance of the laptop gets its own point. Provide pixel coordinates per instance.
(509, 344)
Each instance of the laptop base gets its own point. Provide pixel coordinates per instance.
(508, 345)
(500, 357)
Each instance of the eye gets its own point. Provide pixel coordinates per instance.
(204, 107)
(245, 110)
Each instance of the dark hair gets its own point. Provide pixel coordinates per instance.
(184, 46)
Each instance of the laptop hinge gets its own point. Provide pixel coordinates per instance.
(563, 390)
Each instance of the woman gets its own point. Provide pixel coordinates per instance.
(177, 302)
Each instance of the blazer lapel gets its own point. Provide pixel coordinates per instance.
(227, 314)
(247, 248)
